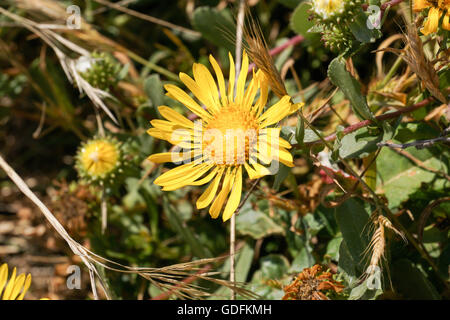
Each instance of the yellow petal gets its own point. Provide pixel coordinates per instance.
(217, 205)
(240, 86)
(231, 79)
(260, 170)
(445, 22)
(206, 179)
(284, 144)
(10, 286)
(419, 5)
(276, 112)
(175, 117)
(174, 173)
(263, 92)
(187, 179)
(170, 157)
(17, 287)
(432, 22)
(250, 94)
(235, 196)
(181, 96)
(208, 195)
(250, 171)
(165, 125)
(207, 85)
(285, 157)
(3, 277)
(25, 287)
(220, 79)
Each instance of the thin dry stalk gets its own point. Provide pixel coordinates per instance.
(414, 55)
(168, 277)
(258, 51)
(69, 65)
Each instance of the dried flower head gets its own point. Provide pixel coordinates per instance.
(312, 284)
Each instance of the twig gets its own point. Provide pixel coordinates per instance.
(419, 144)
(364, 123)
(147, 17)
(425, 214)
(421, 164)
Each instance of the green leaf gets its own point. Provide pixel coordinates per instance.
(256, 224)
(281, 175)
(398, 177)
(290, 3)
(214, 25)
(359, 144)
(198, 249)
(300, 22)
(300, 130)
(411, 283)
(154, 90)
(351, 88)
(274, 266)
(289, 132)
(333, 248)
(244, 258)
(304, 259)
(352, 219)
(360, 30)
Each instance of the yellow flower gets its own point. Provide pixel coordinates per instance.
(233, 132)
(16, 287)
(99, 157)
(328, 8)
(437, 9)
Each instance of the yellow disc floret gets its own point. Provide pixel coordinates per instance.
(98, 159)
(328, 8)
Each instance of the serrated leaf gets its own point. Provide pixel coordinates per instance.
(351, 88)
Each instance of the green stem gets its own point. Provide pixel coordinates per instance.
(153, 66)
(391, 72)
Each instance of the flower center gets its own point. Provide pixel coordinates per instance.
(99, 157)
(327, 8)
(230, 136)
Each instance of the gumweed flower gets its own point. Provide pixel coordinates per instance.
(233, 133)
(312, 284)
(328, 8)
(437, 8)
(16, 287)
(99, 159)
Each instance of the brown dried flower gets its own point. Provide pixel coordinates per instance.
(312, 284)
